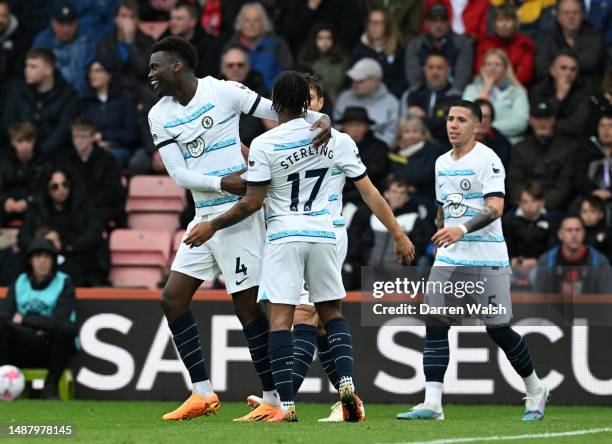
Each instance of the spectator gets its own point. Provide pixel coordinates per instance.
(496, 82)
(568, 94)
(72, 48)
(295, 18)
(467, 18)
(380, 42)
(67, 218)
(519, 48)
(45, 99)
(20, 173)
(597, 233)
(594, 162)
(33, 15)
(95, 17)
(235, 66)
(535, 16)
(112, 113)
(573, 268)
(372, 151)
(545, 157)
(369, 92)
(324, 54)
(599, 14)
(413, 159)
(490, 136)
(572, 32)
(218, 18)
(439, 36)
(129, 49)
(527, 230)
(14, 44)
(156, 10)
(407, 14)
(269, 54)
(184, 23)
(38, 317)
(96, 172)
(432, 100)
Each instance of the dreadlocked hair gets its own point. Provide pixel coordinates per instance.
(180, 48)
(290, 93)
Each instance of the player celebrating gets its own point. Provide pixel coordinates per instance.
(471, 247)
(301, 239)
(195, 127)
(308, 331)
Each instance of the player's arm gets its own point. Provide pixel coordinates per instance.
(440, 218)
(493, 209)
(252, 104)
(404, 249)
(248, 205)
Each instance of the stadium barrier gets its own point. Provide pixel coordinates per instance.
(127, 353)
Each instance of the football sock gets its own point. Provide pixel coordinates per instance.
(203, 388)
(304, 337)
(280, 351)
(435, 354)
(327, 360)
(341, 348)
(187, 341)
(257, 333)
(433, 393)
(515, 348)
(271, 398)
(533, 383)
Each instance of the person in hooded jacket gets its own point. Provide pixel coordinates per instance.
(38, 317)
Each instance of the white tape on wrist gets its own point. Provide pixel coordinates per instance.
(463, 228)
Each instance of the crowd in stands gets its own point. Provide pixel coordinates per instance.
(74, 99)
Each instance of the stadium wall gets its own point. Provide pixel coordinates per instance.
(127, 353)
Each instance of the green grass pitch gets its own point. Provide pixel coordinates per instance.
(140, 422)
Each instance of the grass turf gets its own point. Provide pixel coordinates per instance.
(128, 422)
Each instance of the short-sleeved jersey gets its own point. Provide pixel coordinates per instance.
(206, 131)
(299, 178)
(461, 188)
(337, 181)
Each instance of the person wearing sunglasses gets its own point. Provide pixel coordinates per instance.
(67, 218)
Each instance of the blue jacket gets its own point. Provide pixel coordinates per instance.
(71, 59)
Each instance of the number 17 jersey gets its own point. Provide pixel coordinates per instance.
(298, 175)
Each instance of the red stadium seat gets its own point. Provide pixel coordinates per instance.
(139, 258)
(154, 203)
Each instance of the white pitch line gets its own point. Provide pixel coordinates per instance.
(513, 437)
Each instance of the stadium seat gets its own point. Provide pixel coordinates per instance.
(139, 258)
(154, 203)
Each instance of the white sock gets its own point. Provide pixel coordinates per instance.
(203, 388)
(271, 398)
(346, 380)
(433, 393)
(285, 405)
(533, 383)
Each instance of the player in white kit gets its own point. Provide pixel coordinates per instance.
(195, 127)
(300, 236)
(471, 250)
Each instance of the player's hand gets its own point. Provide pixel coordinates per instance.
(404, 249)
(447, 236)
(234, 184)
(324, 124)
(199, 234)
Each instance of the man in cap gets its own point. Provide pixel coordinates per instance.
(368, 91)
(38, 317)
(543, 156)
(72, 48)
(458, 49)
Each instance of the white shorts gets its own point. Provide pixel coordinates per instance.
(236, 252)
(286, 267)
(341, 248)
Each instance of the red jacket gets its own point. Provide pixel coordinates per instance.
(520, 50)
(474, 16)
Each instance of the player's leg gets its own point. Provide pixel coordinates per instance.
(305, 321)
(191, 266)
(497, 291)
(326, 291)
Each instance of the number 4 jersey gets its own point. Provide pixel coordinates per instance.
(299, 175)
(461, 188)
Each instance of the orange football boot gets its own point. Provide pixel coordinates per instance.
(281, 416)
(195, 406)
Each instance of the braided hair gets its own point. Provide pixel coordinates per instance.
(291, 93)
